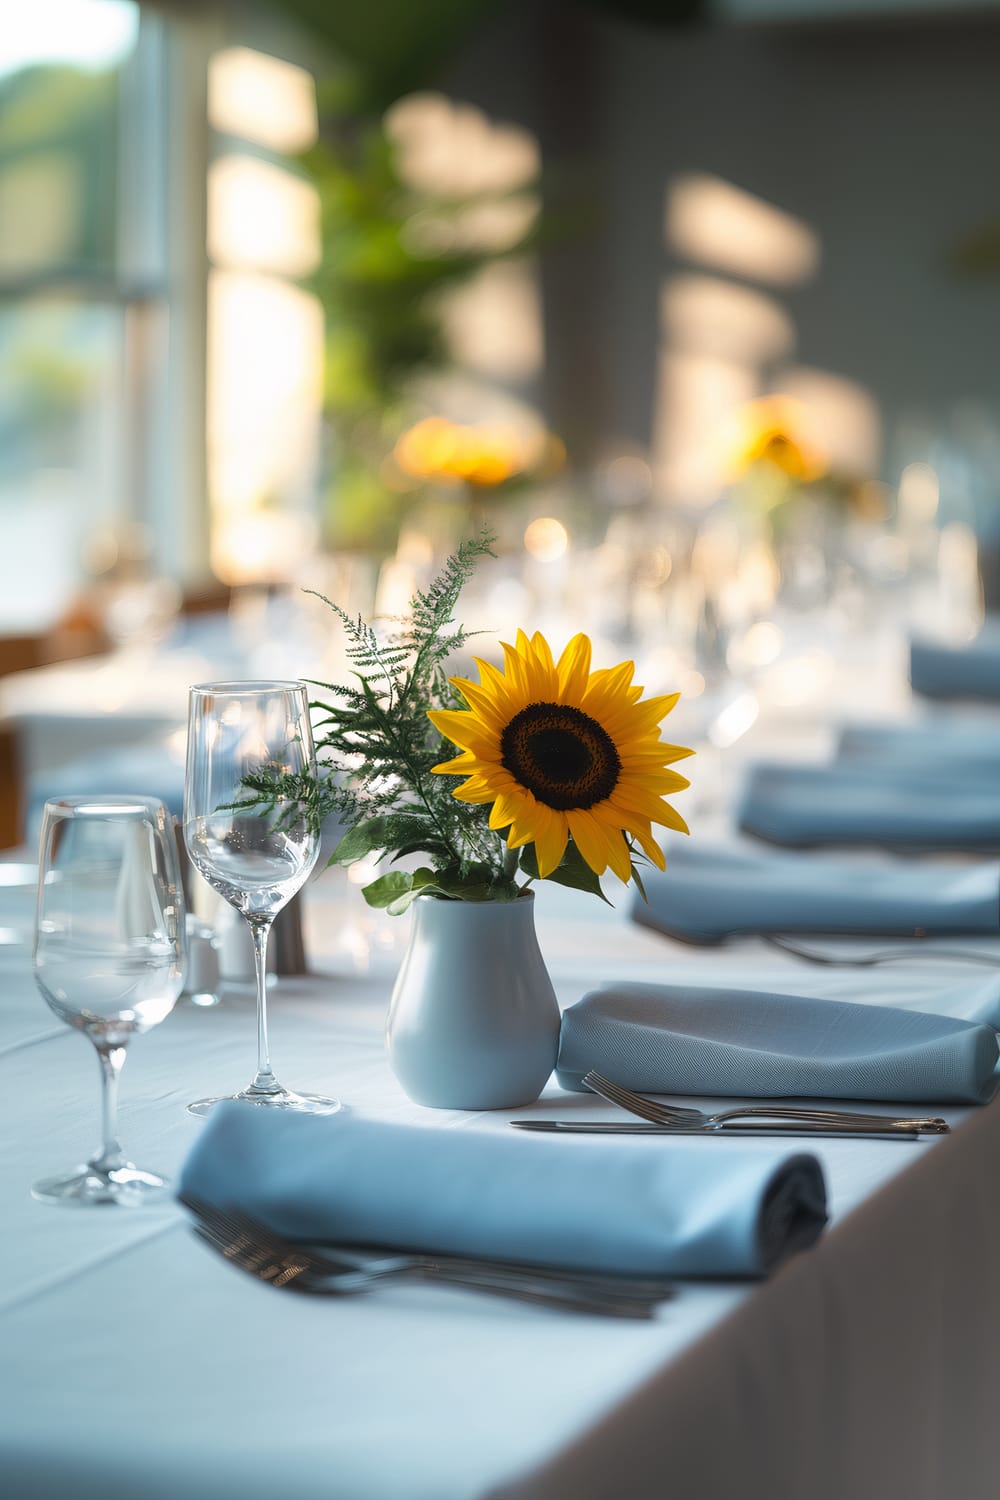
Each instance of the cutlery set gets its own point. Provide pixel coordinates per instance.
(747, 1119)
(341, 1270)
(912, 954)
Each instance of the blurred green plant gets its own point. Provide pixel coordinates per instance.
(391, 253)
(58, 133)
(389, 257)
(381, 287)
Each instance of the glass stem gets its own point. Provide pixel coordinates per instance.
(265, 1081)
(110, 1157)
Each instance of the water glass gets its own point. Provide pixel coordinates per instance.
(108, 957)
(256, 852)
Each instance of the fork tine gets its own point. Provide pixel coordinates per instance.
(845, 1119)
(880, 956)
(235, 1236)
(218, 1228)
(650, 1109)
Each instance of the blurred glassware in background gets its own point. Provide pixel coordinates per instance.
(18, 889)
(135, 604)
(203, 976)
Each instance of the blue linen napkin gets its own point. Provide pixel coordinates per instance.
(692, 1039)
(885, 804)
(710, 892)
(944, 742)
(150, 767)
(673, 1207)
(967, 671)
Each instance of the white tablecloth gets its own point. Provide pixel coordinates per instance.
(134, 1363)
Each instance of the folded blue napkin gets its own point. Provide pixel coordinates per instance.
(943, 742)
(886, 804)
(676, 1207)
(970, 671)
(691, 1039)
(710, 892)
(151, 767)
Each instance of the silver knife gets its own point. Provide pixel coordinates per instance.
(606, 1127)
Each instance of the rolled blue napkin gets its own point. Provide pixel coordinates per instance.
(888, 805)
(942, 742)
(709, 893)
(584, 1203)
(691, 1039)
(967, 671)
(151, 767)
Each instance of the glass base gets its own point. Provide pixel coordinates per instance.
(304, 1104)
(127, 1186)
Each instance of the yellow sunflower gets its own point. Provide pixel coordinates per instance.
(561, 751)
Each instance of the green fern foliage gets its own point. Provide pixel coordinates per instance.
(375, 749)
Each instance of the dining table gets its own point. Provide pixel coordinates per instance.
(136, 1364)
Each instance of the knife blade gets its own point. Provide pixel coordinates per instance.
(606, 1127)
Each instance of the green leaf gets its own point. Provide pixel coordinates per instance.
(477, 884)
(388, 888)
(395, 891)
(572, 870)
(423, 846)
(421, 881)
(392, 831)
(638, 883)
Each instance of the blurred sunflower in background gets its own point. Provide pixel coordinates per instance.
(565, 753)
(774, 431)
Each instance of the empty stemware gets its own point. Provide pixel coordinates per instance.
(254, 854)
(108, 957)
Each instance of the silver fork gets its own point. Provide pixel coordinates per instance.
(880, 956)
(850, 1121)
(261, 1252)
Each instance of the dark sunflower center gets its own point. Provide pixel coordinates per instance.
(562, 755)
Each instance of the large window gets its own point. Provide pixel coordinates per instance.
(160, 366)
(82, 280)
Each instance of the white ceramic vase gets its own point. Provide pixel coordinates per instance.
(473, 1022)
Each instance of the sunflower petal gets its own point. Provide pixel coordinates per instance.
(482, 703)
(550, 842)
(542, 651)
(491, 678)
(606, 689)
(652, 809)
(515, 671)
(508, 807)
(476, 789)
(573, 670)
(586, 825)
(643, 835)
(465, 729)
(462, 765)
(590, 838)
(669, 817)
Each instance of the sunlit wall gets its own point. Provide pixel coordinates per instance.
(265, 332)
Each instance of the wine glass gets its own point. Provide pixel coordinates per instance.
(108, 957)
(254, 853)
